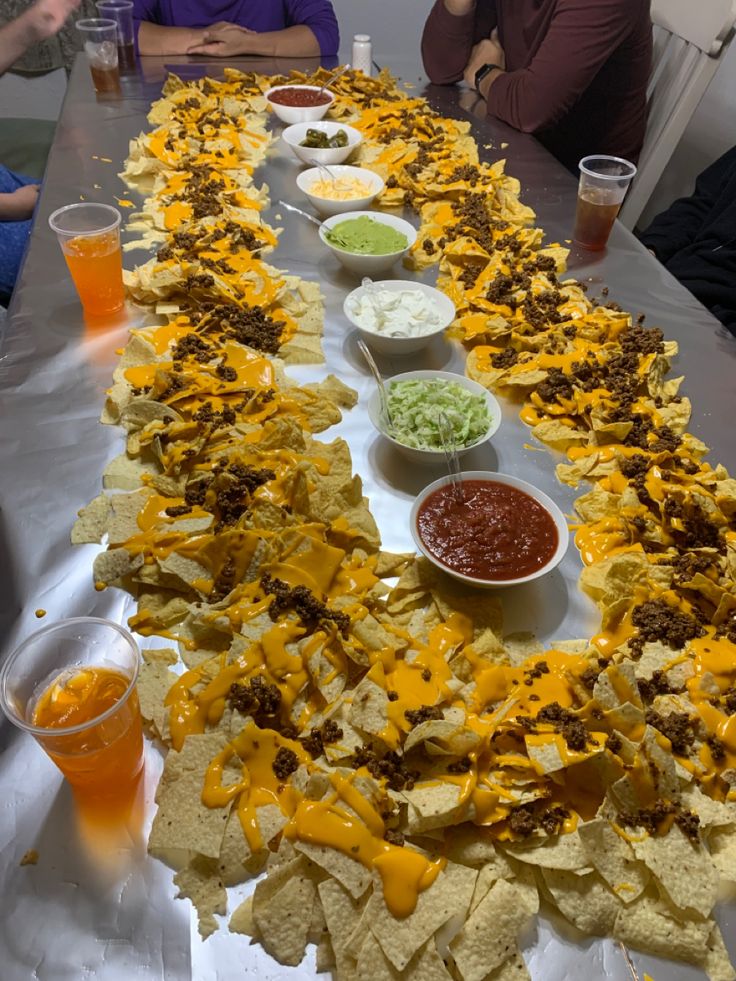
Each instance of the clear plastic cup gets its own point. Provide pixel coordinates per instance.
(100, 36)
(89, 236)
(604, 182)
(121, 11)
(72, 686)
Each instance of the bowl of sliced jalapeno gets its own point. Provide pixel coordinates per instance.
(325, 142)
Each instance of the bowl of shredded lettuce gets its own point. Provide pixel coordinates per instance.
(415, 400)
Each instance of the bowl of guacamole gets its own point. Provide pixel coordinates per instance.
(367, 242)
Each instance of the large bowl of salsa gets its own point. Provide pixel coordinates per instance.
(299, 103)
(501, 531)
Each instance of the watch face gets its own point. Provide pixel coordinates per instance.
(481, 74)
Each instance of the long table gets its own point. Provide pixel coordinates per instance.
(70, 916)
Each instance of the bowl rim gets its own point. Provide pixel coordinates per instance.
(554, 510)
(309, 173)
(396, 285)
(317, 122)
(410, 231)
(421, 373)
(293, 85)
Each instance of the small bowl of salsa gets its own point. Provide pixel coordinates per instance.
(501, 532)
(299, 103)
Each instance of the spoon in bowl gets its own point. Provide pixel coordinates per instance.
(452, 460)
(315, 221)
(382, 393)
(332, 78)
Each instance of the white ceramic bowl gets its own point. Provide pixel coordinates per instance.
(433, 457)
(402, 345)
(293, 136)
(369, 265)
(326, 206)
(547, 503)
(299, 114)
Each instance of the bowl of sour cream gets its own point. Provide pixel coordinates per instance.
(398, 316)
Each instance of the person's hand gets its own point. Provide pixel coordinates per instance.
(18, 205)
(487, 51)
(47, 17)
(223, 40)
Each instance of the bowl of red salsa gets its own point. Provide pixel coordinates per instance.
(500, 531)
(299, 103)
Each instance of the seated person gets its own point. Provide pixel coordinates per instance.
(40, 21)
(276, 28)
(695, 239)
(573, 72)
(18, 195)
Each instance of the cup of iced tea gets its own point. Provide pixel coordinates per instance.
(121, 11)
(604, 182)
(89, 236)
(72, 686)
(100, 37)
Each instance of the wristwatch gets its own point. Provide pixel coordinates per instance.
(482, 72)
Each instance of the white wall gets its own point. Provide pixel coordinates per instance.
(711, 132)
(395, 26)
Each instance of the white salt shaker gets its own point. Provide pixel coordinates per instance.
(362, 53)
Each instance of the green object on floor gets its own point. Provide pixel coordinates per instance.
(25, 145)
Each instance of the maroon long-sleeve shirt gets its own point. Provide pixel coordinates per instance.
(576, 70)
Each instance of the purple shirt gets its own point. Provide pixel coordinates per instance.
(258, 15)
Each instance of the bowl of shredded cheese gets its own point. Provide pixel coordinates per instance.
(340, 188)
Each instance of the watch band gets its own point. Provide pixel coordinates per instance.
(482, 72)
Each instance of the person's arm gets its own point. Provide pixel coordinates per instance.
(155, 39)
(581, 37)
(229, 41)
(677, 227)
(452, 29)
(18, 205)
(44, 19)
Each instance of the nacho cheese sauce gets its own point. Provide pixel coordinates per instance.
(496, 532)
(302, 98)
(341, 189)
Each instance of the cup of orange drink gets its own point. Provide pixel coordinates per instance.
(89, 236)
(72, 685)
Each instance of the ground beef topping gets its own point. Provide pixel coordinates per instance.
(257, 697)
(654, 819)
(566, 723)
(233, 489)
(555, 386)
(285, 762)
(677, 727)
(176, 510)
(314, 743)
(311, 611)
(657, 620)
(656, 685)
(426, 713)
(390, 768)
(393, 837)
